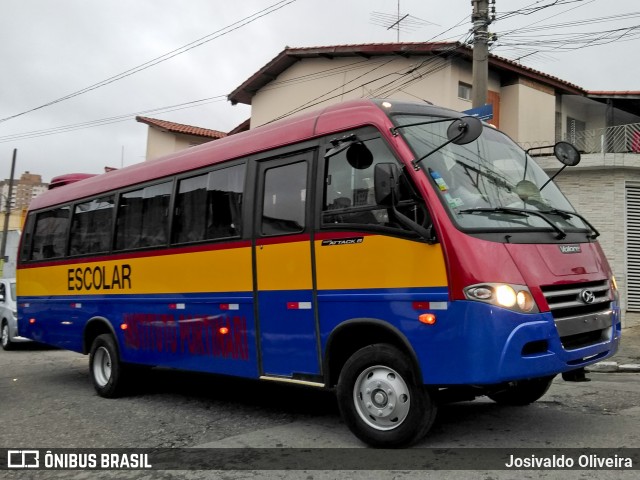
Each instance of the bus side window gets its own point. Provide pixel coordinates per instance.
(285, 197)
(91, 226)
(209, 206)
(143, 217)
(27, 236)
(50, 234)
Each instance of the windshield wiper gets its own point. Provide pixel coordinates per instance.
(519, 212)
(567, 215)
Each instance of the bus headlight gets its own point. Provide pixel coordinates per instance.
(505, 296)
(512, 297)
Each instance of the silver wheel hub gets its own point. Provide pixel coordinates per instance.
(102, 366)
(381, 397)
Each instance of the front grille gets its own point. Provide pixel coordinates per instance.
(582, 312)
(580, 340)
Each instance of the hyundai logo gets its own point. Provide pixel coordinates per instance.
(587, 296)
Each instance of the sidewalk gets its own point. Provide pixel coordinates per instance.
(628, 357)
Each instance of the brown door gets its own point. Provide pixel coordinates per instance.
(493, 98)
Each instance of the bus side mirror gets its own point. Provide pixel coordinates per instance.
(567, 154)
(385, 180)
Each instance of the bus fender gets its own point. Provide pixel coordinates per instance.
(354, 334)
(94, 327)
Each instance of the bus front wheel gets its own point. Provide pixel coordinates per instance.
(105, 367)
(379, 399)
(522, 392)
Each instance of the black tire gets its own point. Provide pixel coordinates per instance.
(522, 392)
(106, 370)
(379, 399)
(7, 344)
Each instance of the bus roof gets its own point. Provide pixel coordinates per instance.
(66, 179)
(284, 132)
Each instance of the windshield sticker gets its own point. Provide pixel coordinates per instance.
(453, 202)
(442, 185)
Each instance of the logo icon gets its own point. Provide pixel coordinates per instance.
(570, 248)
(23, 459)
(587, 296)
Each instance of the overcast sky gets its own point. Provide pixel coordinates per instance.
(50, 49)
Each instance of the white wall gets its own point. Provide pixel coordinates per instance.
(161, 143)
(528, 113)
(318, 82)
(13, 241)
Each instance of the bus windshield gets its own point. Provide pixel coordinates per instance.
(489, 183)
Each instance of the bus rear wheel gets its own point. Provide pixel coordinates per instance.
(105, 367)
(522, 392)
(379, 399)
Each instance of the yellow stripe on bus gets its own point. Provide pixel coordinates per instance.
(284, 266)
(379, 262)
(227, 270)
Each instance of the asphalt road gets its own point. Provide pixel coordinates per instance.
(47, 401)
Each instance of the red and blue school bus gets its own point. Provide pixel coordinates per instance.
(400, 253)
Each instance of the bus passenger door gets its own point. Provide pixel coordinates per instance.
(288, 338)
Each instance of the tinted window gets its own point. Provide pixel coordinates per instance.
(50, 235)
(27, 236)
(91, 226)
(285, 196)
(349, 195)
(143, 217)
(209, 206)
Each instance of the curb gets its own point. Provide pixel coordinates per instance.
(613, 367)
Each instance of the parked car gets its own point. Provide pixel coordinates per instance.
(9, 314)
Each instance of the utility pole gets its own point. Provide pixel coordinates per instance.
(481, 21)
(7, 213)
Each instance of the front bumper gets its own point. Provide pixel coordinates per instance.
(480, 344)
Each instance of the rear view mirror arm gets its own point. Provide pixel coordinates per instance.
(425, 232)
(416, 163)
(554, 176)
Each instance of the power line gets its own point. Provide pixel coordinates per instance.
(162, 58)
(572, 40)
(109, 120)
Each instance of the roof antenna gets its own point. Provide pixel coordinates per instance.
(398, 22)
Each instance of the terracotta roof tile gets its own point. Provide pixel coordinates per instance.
(180, 128)
(617, 93)
(289, 56)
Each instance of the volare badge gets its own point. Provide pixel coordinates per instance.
(570, 248)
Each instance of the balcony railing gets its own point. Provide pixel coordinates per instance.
(618, 139)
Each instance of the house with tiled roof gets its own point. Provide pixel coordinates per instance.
(167, 137)
(529, 105)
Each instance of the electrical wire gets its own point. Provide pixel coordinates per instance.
(109, 120)
(162, 58)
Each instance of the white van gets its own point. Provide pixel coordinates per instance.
(9, 314)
